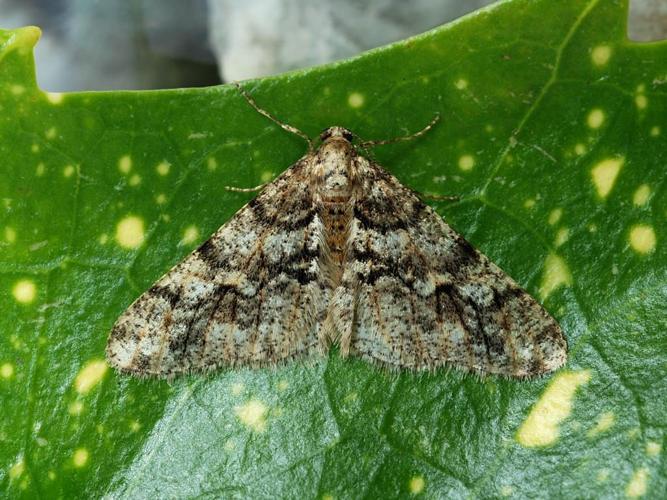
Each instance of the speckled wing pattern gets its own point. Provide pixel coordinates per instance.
(424, 297)
(250, 295)
(336, 250)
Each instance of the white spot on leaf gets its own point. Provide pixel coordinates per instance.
(130, 232)
(24, 291)
(90, 375)
(253, 415)
(604, 175)
(642, 238)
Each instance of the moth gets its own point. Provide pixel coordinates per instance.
(336, 251)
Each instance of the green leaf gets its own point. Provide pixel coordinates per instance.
(553, 136)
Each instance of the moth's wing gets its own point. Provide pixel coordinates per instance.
(250, 295)
(424, 297)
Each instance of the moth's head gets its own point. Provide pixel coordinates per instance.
(336, 133)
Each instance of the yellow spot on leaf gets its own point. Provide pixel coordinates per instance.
(55, 97)
(604, 175)
(562, 236)
(103, 239)
(653, 449)
(163, 168)
(211, 163)
(555, 215)
(161, 199)
(600, 55)
(190, 235)
(135, 180)
(642, 238)
(266, 176)
(604, 423)
(253, 415)
(542, 426)
(595, 118)
(641, 195)
(580, 149)
(602, 476)
(17, 89)
(135, 425)
(39, 171)
(7, 370)
(237, 388)
(16, 470)
(655, 131)
(90, 375)
(529, 203)
(51, 133)
(130, 232)
(506, 490)
(637, 485)
(466, 162)
(125, 164)
(51, 475)
(355, 100)
(68, 170)
(34, 148)
(24, 291)
(10, 234)
(641, 101)
(80, 457)
(416, 485)
(283, 385)
(461, 84)
(75, 408)
(556, 274)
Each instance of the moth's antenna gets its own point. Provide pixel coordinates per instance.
(428, 127)
(275, 120)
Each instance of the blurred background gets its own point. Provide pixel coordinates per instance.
(143, 44)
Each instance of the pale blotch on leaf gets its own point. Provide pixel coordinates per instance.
(75, 408)
(604, 422)
(135, 426)
(641, 195)
(24, 291)
(283, 385)
(90, 375)
(542, 426)
(641, 101)
(466, 163)
(506, 490)
(602, 475)
(595, 118)
(461, 84)
(130, 232)
(529, 203)
(163, 168)
(125, 164)
(40, 169)
(355, 100)
(16, 470)
(562, 236)
(211, 163)
(253, 415)
(555, 216)
(653, 449)
(68, 170)
(161, 199)
(556, 274)
(190, 235)
(34, 148)
(17, 89)
(266, 176)
(580, 149)
(416, 485)
(135, 180)
(7, 370)
(601, 54)
(655, 131)
(10, 234)
(604, 175)
(642, 238)
(55, 97)
(103, 239)
(637, 485)
(237, 388)
(328, 496)
(80, 457)
(51, 133)
(51, 475)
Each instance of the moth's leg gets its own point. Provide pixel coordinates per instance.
(245, 190)
(439, 197)
(428, 127)
(263, 112)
